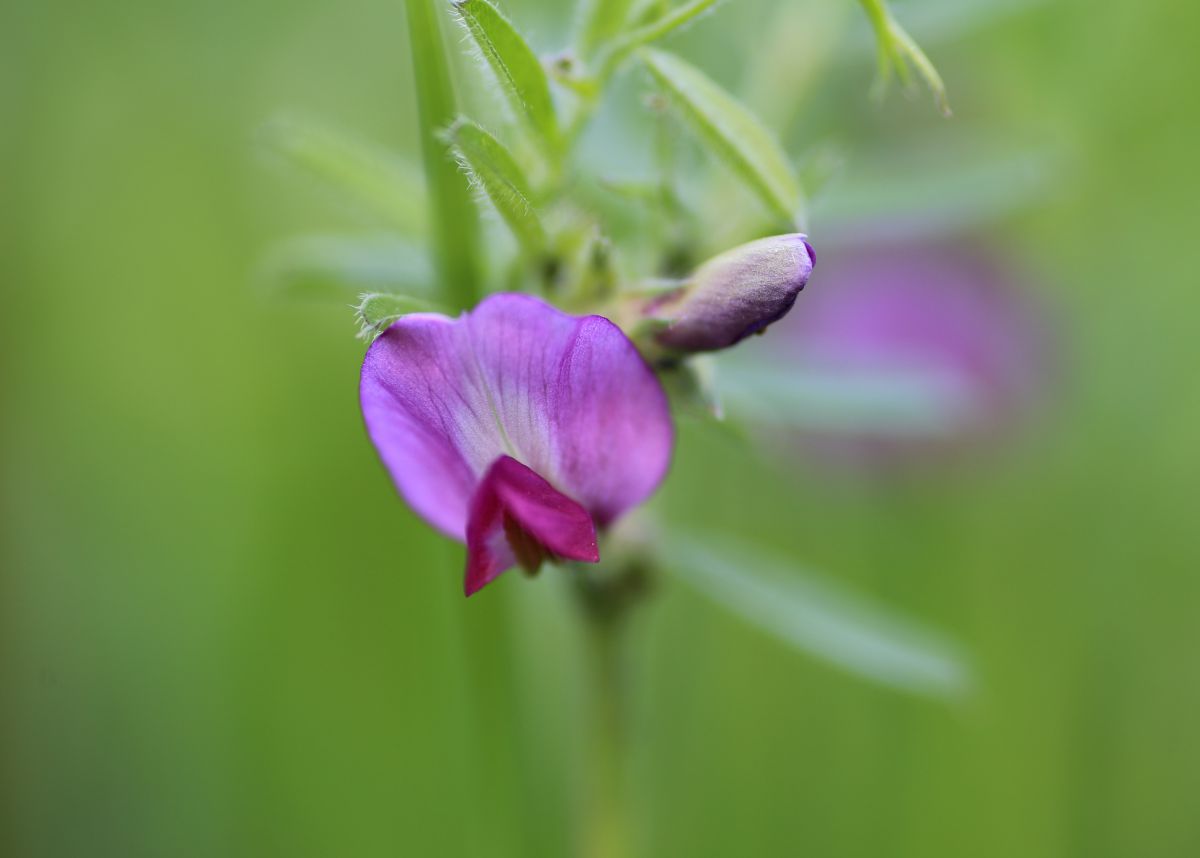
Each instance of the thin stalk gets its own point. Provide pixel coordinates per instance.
(606, 63)
(605, 824)
(605, 598)
(453, 218)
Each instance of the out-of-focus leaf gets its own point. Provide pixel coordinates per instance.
(934, 23)
(915, 401)
(644, 10)
(897, 196)
(790, 57)
(493, 170)
(819, 617)
(341, 267)
(515, 66)
(363, 172)
(376, 311)
(818, 168)
(731, 132)
(599, 22)
(454, 220)
(897, 49)
(652, 31)
(642, 191)
(693, 388)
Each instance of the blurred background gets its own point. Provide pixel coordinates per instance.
(222, 634)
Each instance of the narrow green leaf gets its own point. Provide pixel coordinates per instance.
(341, 267)
(515, 66)
(663, 25)
(453, 216)
(599, 22)
(378, 310)
(915, 194)
(731, 132)
(375, 179)
(819, 167)
(818, 617)
(897, 49)
(644, 10)
(492, 168)
(910, 401)
(944, 22)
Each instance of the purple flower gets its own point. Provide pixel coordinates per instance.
(952, 315)
(736, 294)
(516, 428)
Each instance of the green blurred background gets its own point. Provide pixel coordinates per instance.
(222, 634)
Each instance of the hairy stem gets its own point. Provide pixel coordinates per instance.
(454, 219)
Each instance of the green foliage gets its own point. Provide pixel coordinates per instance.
(493, 170)
(454, 219)
(599, 22)
(516, 68)
(818, 617)
(962, 184)
(730, 132)
(666, 23)
(339, 267)
(375, 311)
(900, 401)
(377, 180)
(649, 226)
(897, 50)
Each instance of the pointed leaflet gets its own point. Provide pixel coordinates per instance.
(917, 195)
(516, 67)
(342, 266)
(666, 23)
(897, 49)
(730, 131)
(377, 310)
(493, 169)
(365, 173)
(900, 401)
(818, 617)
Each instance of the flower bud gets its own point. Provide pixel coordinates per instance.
(735, 294)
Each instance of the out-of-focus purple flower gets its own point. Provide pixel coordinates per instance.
(736, 294)
(516, 428)
(952, 316)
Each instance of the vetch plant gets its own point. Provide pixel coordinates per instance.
(516, 380)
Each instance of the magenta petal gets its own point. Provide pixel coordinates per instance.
(416, 404)
(514, 503)
(568, 397)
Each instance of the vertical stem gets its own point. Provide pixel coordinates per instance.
(605, 598)
(453, 216)
(606, 830)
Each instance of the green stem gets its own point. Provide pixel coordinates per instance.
(606, 830)
(454, 220)
(605, 598)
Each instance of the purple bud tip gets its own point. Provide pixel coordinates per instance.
(738, 293)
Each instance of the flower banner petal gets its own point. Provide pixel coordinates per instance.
(568, 397)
